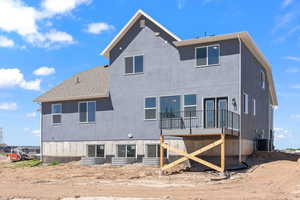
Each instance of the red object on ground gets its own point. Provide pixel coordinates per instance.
(14, 157)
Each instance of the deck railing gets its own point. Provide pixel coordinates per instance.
(200, 119)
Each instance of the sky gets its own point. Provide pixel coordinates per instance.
(43, 42)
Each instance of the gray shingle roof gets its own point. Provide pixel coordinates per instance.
(89, 84)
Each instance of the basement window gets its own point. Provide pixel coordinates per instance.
(153, 151)
(134, 64)
(95, 150)
(87, 111)
(126, 150)
(150, 108)
(207, 55)
(56, 110)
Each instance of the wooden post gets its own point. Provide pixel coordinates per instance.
(161, 151)
(223, 152)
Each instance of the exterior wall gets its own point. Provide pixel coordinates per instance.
(254, 127)
(167, 71)
(67, 151)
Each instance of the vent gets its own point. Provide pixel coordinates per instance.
(77, 80)
(142, 23)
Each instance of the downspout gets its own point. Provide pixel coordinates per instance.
(240, 97)
(41, 130)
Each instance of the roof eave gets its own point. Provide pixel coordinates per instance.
(44, 100)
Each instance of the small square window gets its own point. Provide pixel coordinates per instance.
(134, 64)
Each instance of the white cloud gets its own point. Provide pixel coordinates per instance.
(31, 115)
(297, 86)
(5, 42)
(295, 116)
(52, 38)
(180, 4)
(13, 77)
(25, 20)
(60, 7)
(37, 132)
(292, 58)
(44, 71)
(283, 21)
(22, 18)
(98, 28)
(292, 70)
(280, 133)
(8, 106)
(286, 3)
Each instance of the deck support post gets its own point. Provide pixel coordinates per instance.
(223, 152)
(161, 151)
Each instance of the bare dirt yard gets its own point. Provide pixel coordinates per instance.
(272, 176)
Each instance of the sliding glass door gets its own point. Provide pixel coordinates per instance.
(209, 113)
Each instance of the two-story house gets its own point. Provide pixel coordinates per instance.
(158, 84)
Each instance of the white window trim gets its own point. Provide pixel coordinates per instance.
(87, 111)
(262, 79)
(56, 114)
(150, 108)
(87, 151)
(146, 150)
(206, 46)
(246, 103)
(126, 151)
(133, 64)
(187, 106)
(254, 107)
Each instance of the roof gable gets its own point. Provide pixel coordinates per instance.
(130, 23)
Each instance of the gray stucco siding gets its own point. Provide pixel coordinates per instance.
(167, 71)
(252, 126)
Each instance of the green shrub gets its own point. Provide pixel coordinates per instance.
(53, 163)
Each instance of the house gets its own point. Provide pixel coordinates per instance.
(157, 92)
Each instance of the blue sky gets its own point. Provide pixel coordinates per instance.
(44, 42)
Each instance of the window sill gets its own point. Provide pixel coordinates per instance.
(204, 66)
(56, 124)
(150, 119)
(87, 122)
(132, 74)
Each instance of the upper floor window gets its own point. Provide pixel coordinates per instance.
(87, 111)
(245, 103)
(190, 105)
(134, 64)
(254, 107)
(208, 55)
(56, 110)
(150, 108)
(262, 80)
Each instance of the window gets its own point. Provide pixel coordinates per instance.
(126, 150)
(87, 111)
(262, 80)
(150, 108)
(134, 64)
(153, 151)
(190, 105)
(56, 111)
(245, 103)
(254, 107)
(209, 55)
(95, 150)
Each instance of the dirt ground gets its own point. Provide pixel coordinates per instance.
(272, 176)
